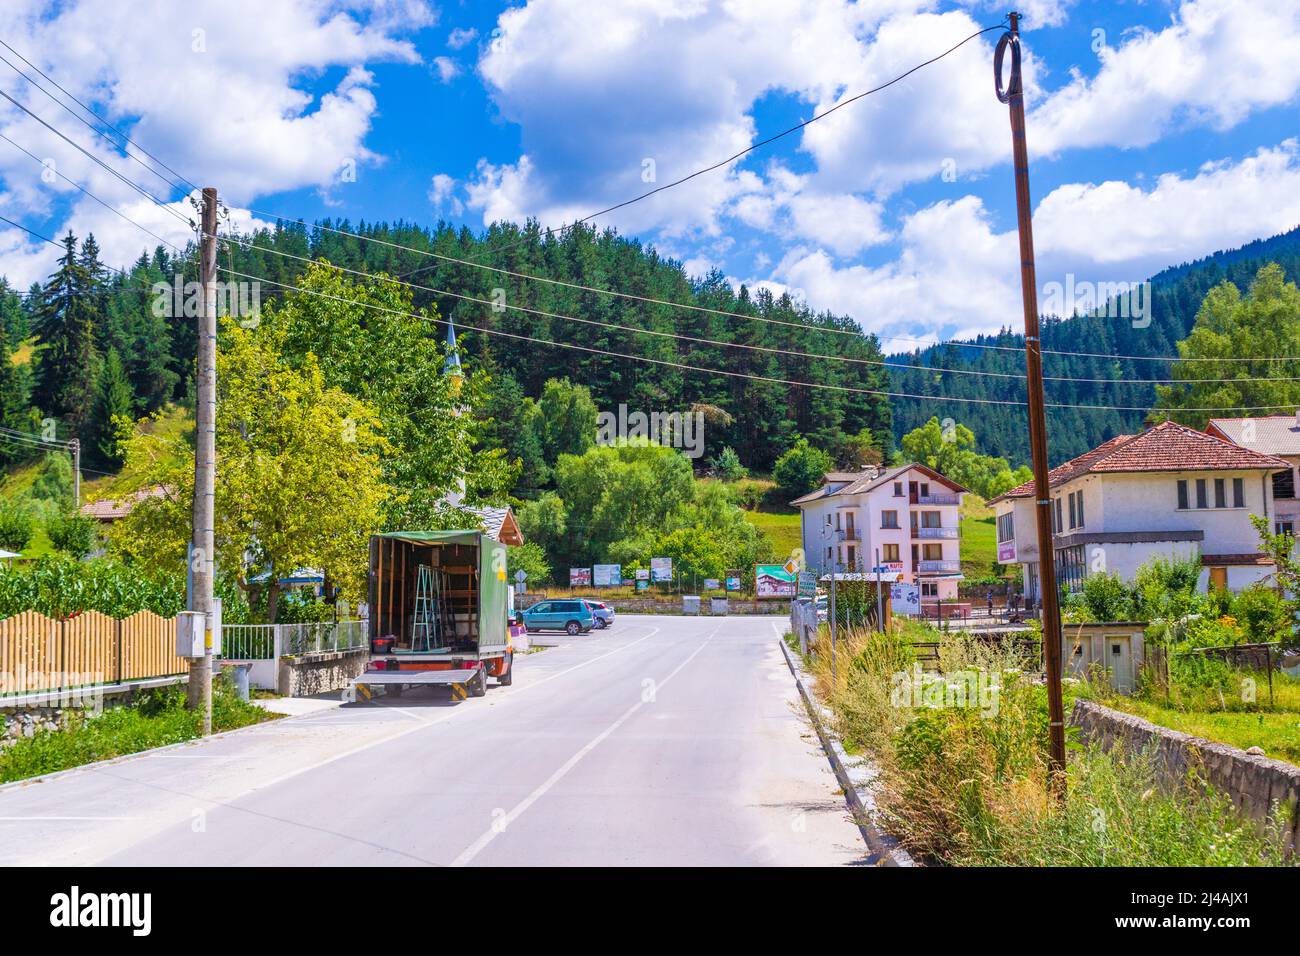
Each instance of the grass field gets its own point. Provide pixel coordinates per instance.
(782, 529)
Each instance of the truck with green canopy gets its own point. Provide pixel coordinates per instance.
(439, 613)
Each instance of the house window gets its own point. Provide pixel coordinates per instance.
(1202, 496)
(1284, 484)
(1074, 517)
(1079, 495)
(853, 557)
(1220, 493)
(1284, 527)
(828, 554)
(890, 552)
(828, 521)
(930, 589)
(925, 489)
(1238, 493)
(916, 555)
(889, 519)
(1057, 525)
(1182, 495)
(932, 552)
(1006, 526)
(931, 519)
(898, 489)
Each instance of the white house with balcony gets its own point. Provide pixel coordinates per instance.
(907, 518)
(1171, 491)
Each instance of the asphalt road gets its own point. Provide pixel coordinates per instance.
(662, 741)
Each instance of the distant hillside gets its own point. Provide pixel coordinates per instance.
(1001, 430)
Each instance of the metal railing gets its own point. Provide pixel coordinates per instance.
(260, 642)
(939, 566)
(937, 499)
(934, 532)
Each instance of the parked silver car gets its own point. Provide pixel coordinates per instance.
(602, 612)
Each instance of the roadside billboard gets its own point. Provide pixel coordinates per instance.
(661, 569)
(606, 575)
(773, 581)
(642, 574)
(711, 584)
(807, 584)
(579, 577)
(733, 584)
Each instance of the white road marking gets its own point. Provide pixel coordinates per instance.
(500, 825)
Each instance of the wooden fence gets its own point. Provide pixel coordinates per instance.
(38, 653)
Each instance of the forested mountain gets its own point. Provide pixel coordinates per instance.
(102, 344)
(1177, 293)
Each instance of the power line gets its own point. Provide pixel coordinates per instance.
(764, 142)
(761, 348)
(73, 182)
(713, 371)
(94, 129)
(95, 159)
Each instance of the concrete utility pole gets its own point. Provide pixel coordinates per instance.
(1013, 95)
(205, 461)
(75, 448)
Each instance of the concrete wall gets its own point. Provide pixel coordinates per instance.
(1254, 783)
(318, 673)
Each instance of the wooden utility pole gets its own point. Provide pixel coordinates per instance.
(205, 460)
(1014, 96)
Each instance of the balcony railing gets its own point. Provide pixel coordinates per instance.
(945, 499)
(847, 534)
(934, 532)
(938, 566)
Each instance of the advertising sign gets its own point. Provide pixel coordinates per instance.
(773, 581)
(661, 569)
(642, 574)
(579, 577)
(643, 584)
(733, 584)
(711, 584)
(606, 575)
(905, 599)
(1007, 552)
(807, 584)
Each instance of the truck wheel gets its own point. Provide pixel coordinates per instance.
(573, 628)
(508, 678)
(478, 685)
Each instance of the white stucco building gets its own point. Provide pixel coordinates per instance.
(1169, 491)
(911, 513)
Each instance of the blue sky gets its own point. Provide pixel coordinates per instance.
(1160, 132)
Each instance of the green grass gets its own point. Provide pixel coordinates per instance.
(782, 529)
(1225, 718)
(159, 719)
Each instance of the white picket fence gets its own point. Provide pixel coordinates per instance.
(262, 645)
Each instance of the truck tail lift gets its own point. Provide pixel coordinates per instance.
(439, 614)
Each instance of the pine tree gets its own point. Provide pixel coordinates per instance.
(68, 365)
(113, 399)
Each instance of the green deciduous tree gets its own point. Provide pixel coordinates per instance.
(1263, 323)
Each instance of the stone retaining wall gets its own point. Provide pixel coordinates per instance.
(1255, 783)
(30, 713)
(318, 673)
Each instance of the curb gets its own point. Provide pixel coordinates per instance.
(111, 761)
(855, 781)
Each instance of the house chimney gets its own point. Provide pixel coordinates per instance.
(1297, 417)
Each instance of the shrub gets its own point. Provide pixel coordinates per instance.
(727, 465)
(16, 525)
(72, 533)
(1263, 614)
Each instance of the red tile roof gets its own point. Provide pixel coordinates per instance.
(1164, 447)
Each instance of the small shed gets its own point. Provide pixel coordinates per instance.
(1117, 646)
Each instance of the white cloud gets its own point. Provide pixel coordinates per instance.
(442, 194)
(149, 66)
(460, 38)
(447, 68)
(1212, 66)
(957, 275)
